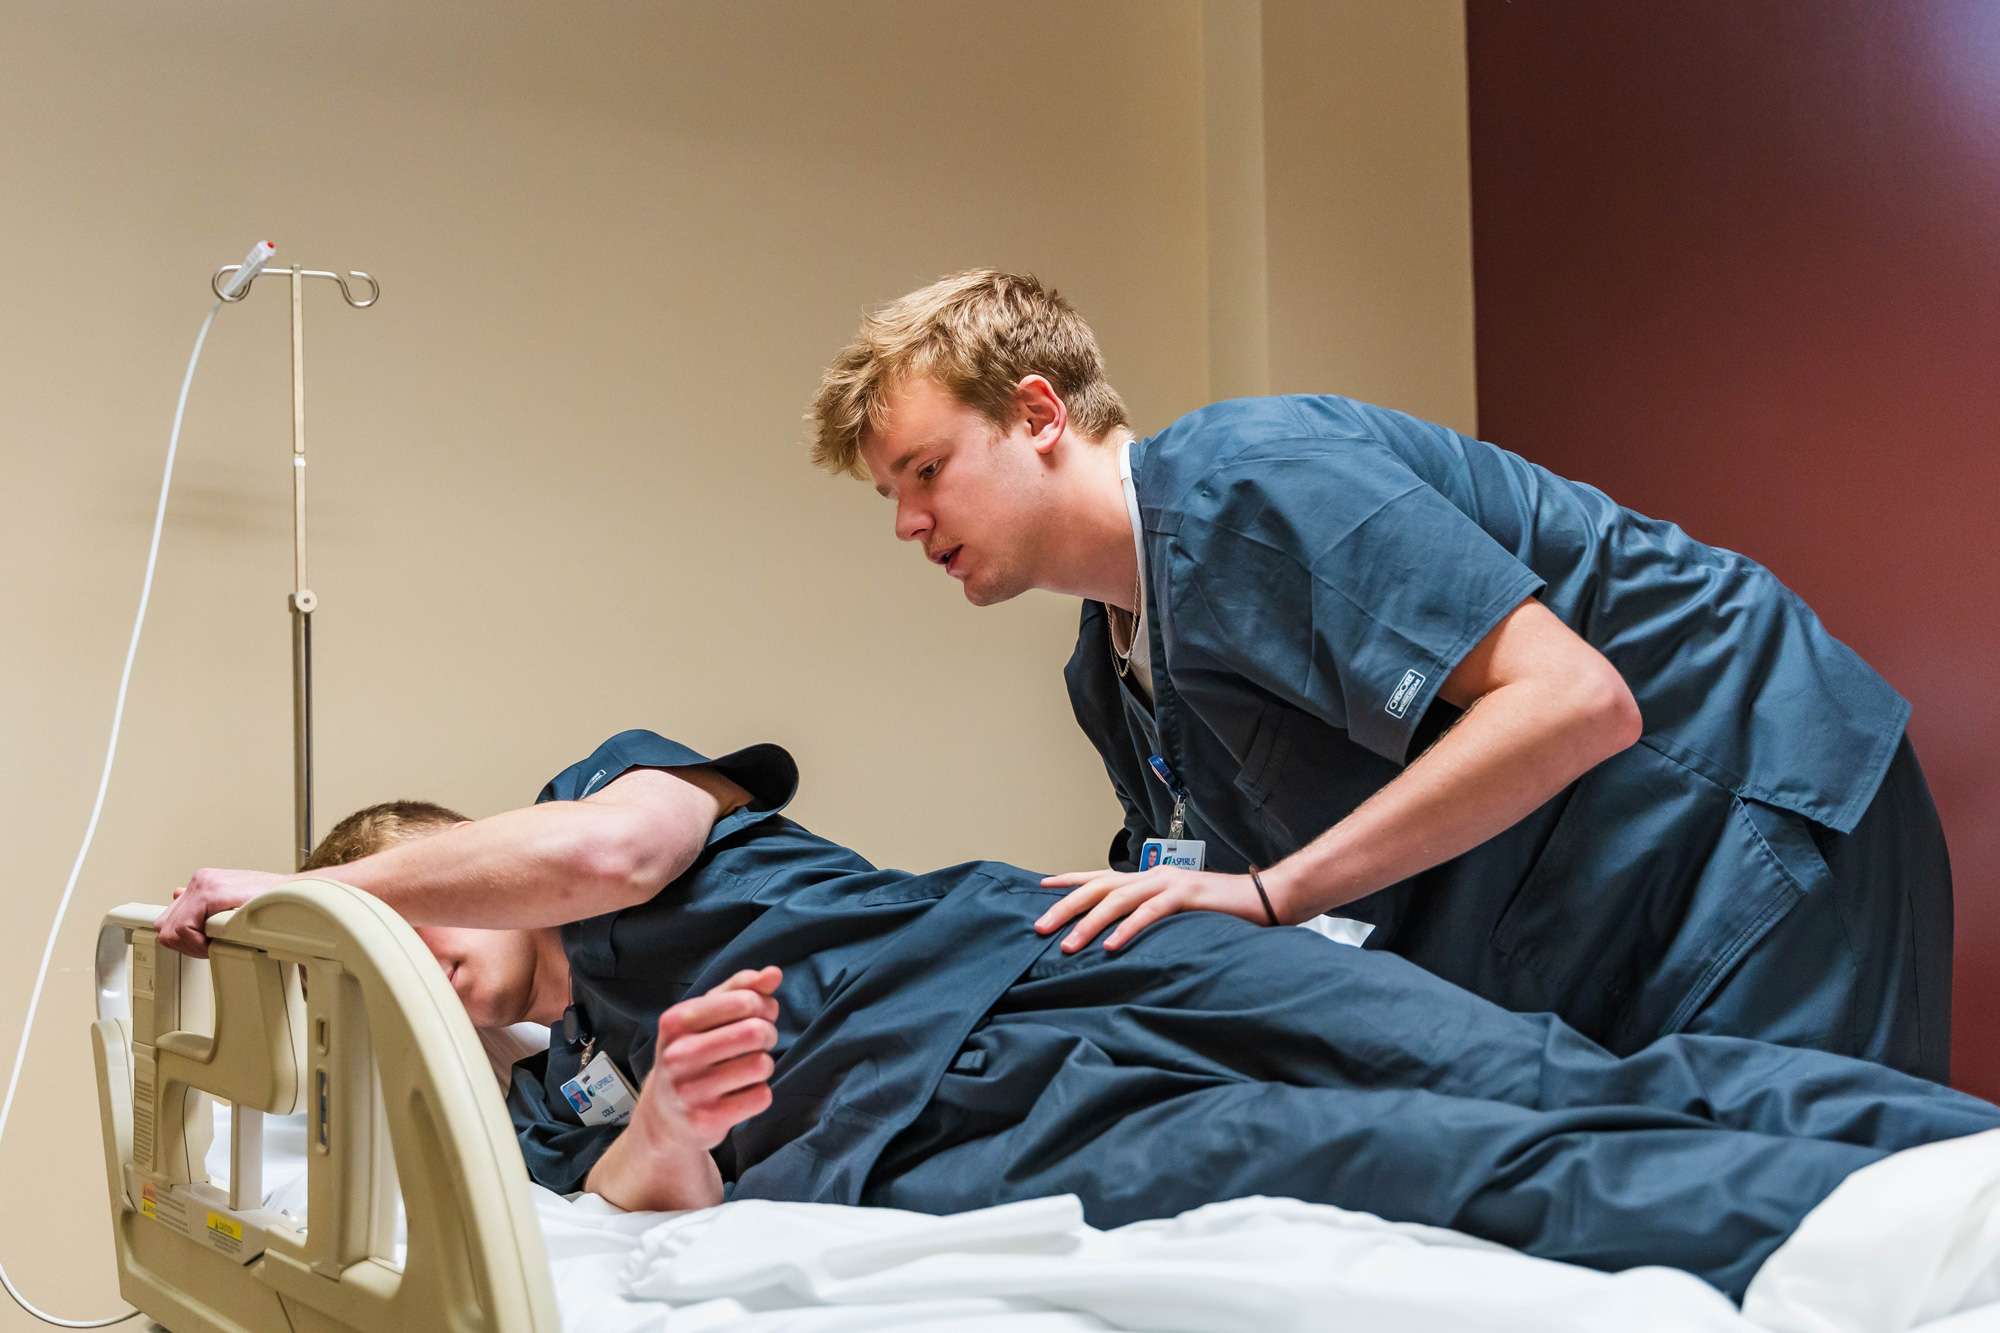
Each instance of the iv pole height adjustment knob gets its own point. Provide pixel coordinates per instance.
(231, 284)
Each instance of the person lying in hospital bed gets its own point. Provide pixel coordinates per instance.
(801, 1025)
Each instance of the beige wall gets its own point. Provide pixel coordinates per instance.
(1339, 202)
(558, 485)
(1370, 203)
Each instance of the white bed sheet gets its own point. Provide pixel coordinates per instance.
(1251, 1264)
(1912, 1242)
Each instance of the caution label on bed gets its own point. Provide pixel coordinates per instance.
(225, 1233)
(162, 1205)
(197, 1212)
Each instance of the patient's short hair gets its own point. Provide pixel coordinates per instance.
(368, 831)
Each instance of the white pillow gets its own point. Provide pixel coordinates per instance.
(506, 1045)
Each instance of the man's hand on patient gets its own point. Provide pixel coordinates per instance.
(711, 1072)
(208, 891)
(1101, 897)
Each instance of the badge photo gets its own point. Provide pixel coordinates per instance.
(1186, 853)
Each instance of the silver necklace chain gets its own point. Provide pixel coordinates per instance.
(1122, 657)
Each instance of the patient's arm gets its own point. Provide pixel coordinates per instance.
(545, 865)
(711, 1072)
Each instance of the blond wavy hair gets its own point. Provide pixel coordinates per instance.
(976, 334)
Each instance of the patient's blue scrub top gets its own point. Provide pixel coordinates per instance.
(1316, 568)
(848, 935)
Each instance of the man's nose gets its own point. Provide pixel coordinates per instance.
(912, 523)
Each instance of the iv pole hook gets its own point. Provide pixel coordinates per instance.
(346, 292)
(302, 600)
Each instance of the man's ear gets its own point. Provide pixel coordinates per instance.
(1042, 410)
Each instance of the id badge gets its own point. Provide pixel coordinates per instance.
(599, 1093)
(1187, 853)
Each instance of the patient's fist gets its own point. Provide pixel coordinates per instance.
(711, 1063)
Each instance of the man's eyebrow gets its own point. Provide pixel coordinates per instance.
(903, 462)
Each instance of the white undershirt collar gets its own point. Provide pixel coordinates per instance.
(1141, 660)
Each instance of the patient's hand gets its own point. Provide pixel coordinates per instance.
(207, 892)
(711, 1072)
(711, 1062)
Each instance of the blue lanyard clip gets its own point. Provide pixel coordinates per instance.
(1177, 826)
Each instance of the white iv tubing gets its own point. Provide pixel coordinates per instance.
(97, 808)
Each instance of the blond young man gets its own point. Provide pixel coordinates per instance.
(1336, 658)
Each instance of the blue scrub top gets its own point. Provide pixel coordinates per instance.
(1316, 568)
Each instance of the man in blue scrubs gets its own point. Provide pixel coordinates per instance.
(1337, 659)
(801, 1025)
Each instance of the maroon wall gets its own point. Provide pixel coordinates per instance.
(1738, 263)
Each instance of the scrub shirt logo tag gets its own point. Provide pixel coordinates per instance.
(1406, 692)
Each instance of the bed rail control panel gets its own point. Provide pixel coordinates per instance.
(309, 991)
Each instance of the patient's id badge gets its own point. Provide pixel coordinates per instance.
(600, 1094)
(1187, 853)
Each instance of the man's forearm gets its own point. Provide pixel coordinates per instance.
(540, 866)
(1512, 750)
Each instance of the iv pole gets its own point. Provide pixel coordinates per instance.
(302, 600)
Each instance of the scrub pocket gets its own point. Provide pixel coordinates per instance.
(588, 944)
(1263, 752)
(1816, 980)
(1299, 777)
(916, 889)
(1651, 889)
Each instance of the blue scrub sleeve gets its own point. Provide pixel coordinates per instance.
(766, 771)
(1330, 574)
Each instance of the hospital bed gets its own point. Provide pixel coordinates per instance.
(312, 993)
(367, 1178)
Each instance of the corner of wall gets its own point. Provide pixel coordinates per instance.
(1239, 307)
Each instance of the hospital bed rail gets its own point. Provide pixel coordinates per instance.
(316, 998)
